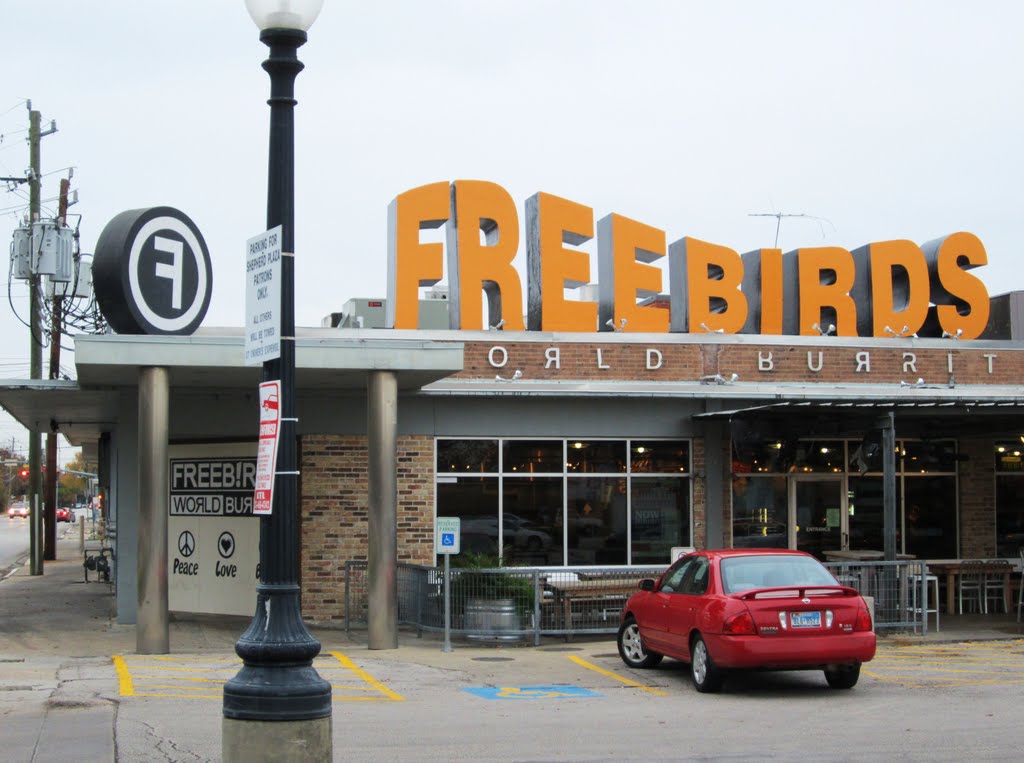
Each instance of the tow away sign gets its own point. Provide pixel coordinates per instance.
(266, 455)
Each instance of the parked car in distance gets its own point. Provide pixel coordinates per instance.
(64, 514)
(18, 510)
(748, 609)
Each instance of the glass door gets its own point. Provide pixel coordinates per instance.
(817, 514)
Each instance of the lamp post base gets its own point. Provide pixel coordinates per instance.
(278, 741)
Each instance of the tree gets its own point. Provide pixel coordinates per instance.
(73, 487)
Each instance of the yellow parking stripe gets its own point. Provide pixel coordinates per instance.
(347, 663)
(124, 678)
(590, 666)
(150, 678)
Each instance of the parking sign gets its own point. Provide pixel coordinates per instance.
(446, 535)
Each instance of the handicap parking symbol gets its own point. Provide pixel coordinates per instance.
(447, 539)
(533, 692)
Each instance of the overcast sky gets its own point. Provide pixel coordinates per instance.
(882, 120)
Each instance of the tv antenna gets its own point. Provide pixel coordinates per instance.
(778, 221)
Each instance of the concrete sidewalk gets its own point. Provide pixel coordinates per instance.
(60, 696)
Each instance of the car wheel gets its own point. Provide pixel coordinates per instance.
(843, 677)
(707, 677)
(632, 649)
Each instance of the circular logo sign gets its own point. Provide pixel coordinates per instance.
(152, 272)
(186, 544)
(226, 545)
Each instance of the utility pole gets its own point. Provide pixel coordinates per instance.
(51, 436)
(35, 135)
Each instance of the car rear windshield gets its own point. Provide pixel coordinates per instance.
(742, 573)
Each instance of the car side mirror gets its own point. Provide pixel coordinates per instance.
(647, 584)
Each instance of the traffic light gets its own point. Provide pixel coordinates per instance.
(23, 473)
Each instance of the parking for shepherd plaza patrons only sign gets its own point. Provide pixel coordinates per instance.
(263, 297)
(266, 454)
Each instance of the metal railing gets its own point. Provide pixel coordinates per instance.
(898, 591)
(525, 603)
(504, 604)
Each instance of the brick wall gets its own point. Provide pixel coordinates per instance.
(334, 514)
(826, 364)
(977, 498)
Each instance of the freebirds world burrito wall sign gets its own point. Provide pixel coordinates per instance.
(881, 289)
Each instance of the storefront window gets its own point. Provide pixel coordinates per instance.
(929, 517)
(660, 517)
(461, 456)
(659, 457)
(930, 456)
(788, 456)
(533, 456)
(1009, 458)
(816, 456)
(532, 519)
(760, 512)
(865, 504)
(596, 520)
(568, 502)
(596, 456)
(475, 501)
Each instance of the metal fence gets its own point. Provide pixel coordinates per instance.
(896, 591)
(513, 604)
(504, 604)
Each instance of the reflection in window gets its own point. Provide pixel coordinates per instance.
(532, 521)
(596, 520)
(660, 518)
(572, 501)
(659, 456)
(760, 512)
(533, 456)
(467, 456)
(1009, 457)
(929, 517)
(475, 501)
(596, 456)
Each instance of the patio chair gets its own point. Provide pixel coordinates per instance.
(970, 585)
(995, 585)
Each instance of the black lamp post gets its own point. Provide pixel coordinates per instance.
(277, 682)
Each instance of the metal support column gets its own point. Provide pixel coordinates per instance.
(382, 435)
(152, 625)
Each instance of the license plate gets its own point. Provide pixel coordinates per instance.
(805, 619)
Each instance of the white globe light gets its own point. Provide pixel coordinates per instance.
(284, 14)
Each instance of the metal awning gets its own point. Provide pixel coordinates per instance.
(948, 417)
(211, 361)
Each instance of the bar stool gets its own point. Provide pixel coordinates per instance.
(931, 596)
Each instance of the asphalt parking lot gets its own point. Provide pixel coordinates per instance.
(572, 672)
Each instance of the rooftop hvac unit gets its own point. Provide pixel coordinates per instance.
(53, 251)
(82, 289)
(21, 246)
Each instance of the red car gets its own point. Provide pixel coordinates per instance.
(63, 514)
(767, 609)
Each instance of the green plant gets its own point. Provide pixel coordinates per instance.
(482, 576)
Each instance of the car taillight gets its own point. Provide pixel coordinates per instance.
(863, 621)
(739, 625)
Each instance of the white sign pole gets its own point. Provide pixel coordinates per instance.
(263, 297)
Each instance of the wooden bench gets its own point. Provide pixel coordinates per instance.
(613, 592)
